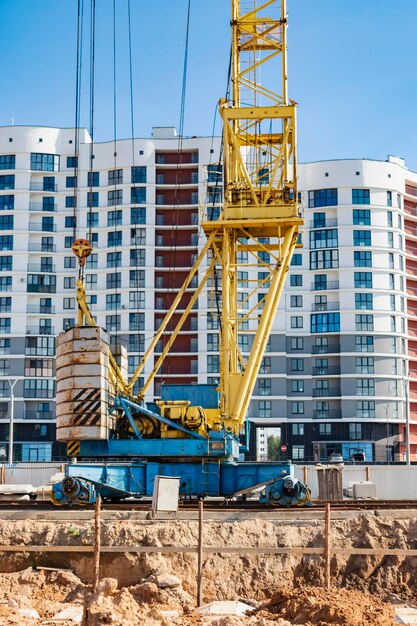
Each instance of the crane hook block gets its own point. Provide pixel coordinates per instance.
(82, 249)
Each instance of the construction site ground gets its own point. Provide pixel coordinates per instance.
(160, 589)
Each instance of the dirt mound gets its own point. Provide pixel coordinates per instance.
(323, 607)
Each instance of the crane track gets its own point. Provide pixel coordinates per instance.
(212, 505)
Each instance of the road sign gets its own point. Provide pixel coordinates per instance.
(283, 448)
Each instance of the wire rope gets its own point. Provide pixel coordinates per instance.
(91, 153)
(78, 84)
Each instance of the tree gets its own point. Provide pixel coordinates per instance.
(274, 445)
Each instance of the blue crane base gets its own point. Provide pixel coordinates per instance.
(83, 482)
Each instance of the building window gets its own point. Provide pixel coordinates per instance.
(265, 365)
(363, 280)
(364, 343)
(138, 195)
(113, 301)
(296, 301)
(365, 387)
(71, 182)
(5, 325)
(68, 241)
(297, 386)
(93, 179)
(325, 430)
(6, 263)
(70, 221)
(72, 161)
(138, 174)
(297, 365)
(92, 199)
(70, 202)
(322, 197)
(325, 322)
(137, 236)
(365, 408)
(297, 408)
(324, 259)
(114, 259)
(136, 300)
(212, 342)
(297, 343)
(69, 282)
(44, 162)
(41, 283)
(361, 196)
(213, 363)
(264, 385)
(363, 301)
(138, 215)
(136, 279)
(115, 177)
(389, 199)
(114, 218)
(364, 322)
(6, 242)
(6, 222)
(323, 238)
(362, 258)
(92, 220)
(38, 388)
(5, 283)
(297, 430)
(297, 453)
(7, 162)
(113, 323)
(68, 303)
(68, 322)
(114, 238)
(137, 257)
(361, 217)
(364, 364)
(296, 321)
(264, 408)
(362, 238)
(296, 280)
(136, 321)
(114, 280)
(114, 197)
(6, 203)
(355, 431)
(7, 182)
(297, 259)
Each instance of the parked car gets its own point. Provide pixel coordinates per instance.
(358, 456)
(335, 457)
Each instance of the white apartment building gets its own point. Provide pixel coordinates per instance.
(341, 359)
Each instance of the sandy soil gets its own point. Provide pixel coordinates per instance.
(282, 589)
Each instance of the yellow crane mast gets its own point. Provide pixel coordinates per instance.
(260, 220)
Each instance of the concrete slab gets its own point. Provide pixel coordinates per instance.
(29, 613)
(225, 607)
(73, 613)
(405, 615)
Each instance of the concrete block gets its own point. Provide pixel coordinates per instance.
(364, 490)
(225, 607)
(405, 615)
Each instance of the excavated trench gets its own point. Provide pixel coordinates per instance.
(255, 577)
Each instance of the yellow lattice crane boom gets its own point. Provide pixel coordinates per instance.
(260, 221)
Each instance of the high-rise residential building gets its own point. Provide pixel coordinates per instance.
(340, 372)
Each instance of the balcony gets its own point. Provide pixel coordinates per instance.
(46, 228)
(38, 206)
(323, 415)
(39, 415)
(40, 310)
(40, 330)
(41, 269)
(41, 247)
(332, 349)
(325, 306)
(321, 393)
(48, 188)
(411, 191)
(332, 370)
(330, 222)
(333, 284)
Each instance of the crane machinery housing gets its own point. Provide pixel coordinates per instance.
(194, 431)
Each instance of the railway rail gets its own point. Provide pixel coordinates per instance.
(217, 505)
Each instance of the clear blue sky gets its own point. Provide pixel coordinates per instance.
(352, 69)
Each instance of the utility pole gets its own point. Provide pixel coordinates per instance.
(11, 421)
(407, 423)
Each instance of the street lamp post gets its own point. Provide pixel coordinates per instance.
(11, 421)
(407, 423)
